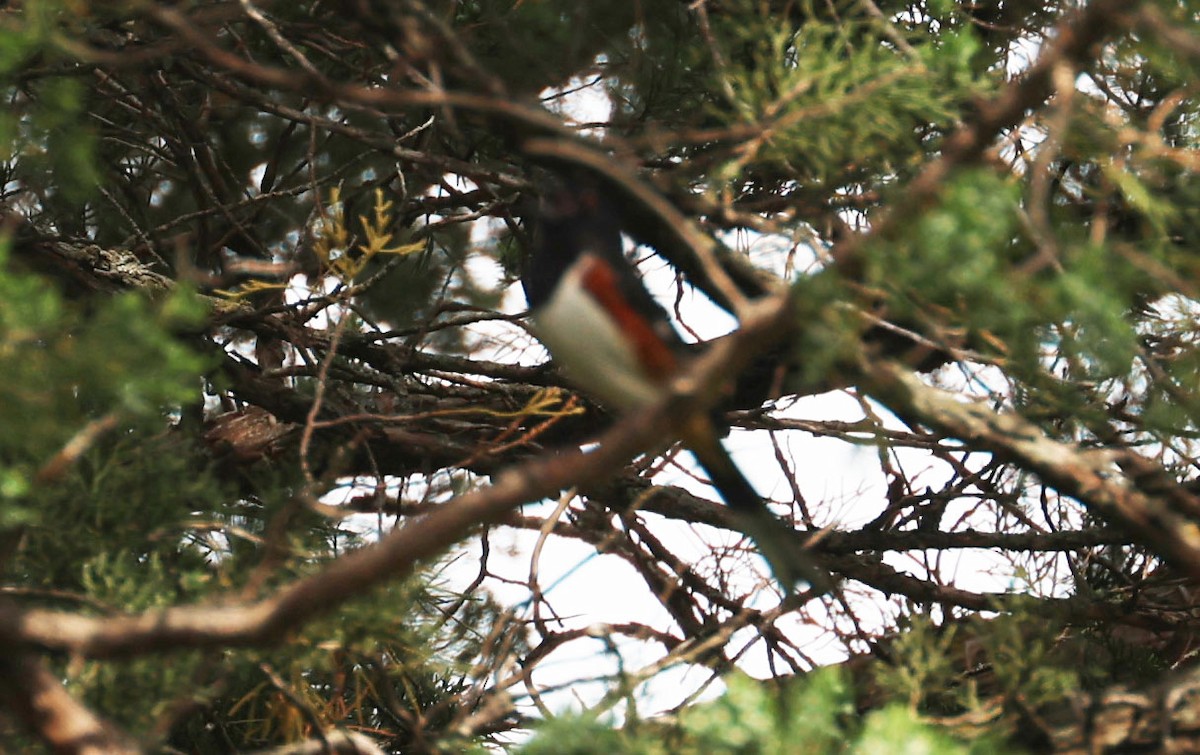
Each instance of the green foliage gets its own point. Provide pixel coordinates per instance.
(1167, 409)
(1099, 334)
(955, 256)
(57, 139)
(925, 667)
(964, 259)
(123, 534)
(799, 118)
(832, 98)
(813, 715)
(144, 691)
(45, 130)
(531, 46)
(1030, 660)
(961, 666)
(381, 663)
(829, 337)
(896, 731)
(377, 665)
(115, 527)
(580, 735)
(66, 366)
(755, 717)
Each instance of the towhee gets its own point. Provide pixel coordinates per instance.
(614, 341)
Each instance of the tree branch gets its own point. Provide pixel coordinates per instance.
(36, 696)
(397, 554)
(1167, 525)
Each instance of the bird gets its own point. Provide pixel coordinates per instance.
(616, 343)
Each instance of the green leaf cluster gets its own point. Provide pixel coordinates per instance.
(968, 263)
(831, 101)
(67, 366)
(956, 255)
(46, 138)
(815, 715)
(1019, 659)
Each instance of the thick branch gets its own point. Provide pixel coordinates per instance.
(1072, 43)
(1160, 719)
(396, 555)
(36, 696)
(1167, 525)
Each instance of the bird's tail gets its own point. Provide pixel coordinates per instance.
(777, 542)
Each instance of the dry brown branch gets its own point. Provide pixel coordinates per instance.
(1072, 43)
(36, 697)
(396, 555)
(1168, 526)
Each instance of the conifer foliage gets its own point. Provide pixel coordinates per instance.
(281, 467)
